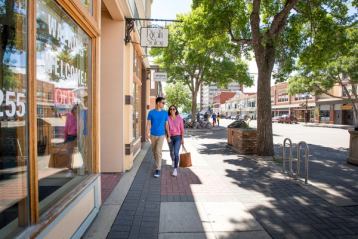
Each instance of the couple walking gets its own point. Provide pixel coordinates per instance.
(161, 124)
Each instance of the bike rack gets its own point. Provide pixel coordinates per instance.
(300, 145)
(284, 155)
(307, 150)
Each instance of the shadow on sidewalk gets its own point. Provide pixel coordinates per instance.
(284, 208)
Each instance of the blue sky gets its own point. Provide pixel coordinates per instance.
(168, 9)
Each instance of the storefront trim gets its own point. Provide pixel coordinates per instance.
(81, 15)
(66, 204)
(32, 114)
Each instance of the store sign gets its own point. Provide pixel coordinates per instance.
(347, 107)
(64, 97)
(160, 76)
(14, 104)
(154, 37)
(62, 49)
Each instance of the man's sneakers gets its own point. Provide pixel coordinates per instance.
(157, 174)
(175, 172)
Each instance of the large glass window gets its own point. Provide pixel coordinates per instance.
(13, 117)
(63, 102)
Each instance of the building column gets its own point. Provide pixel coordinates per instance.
(331, 114)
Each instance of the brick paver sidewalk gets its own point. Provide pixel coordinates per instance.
(225, 195)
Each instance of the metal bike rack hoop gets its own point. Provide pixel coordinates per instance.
(284, 154)
(307, 150)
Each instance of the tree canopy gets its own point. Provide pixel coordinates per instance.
(194, 59)
(278, 32)
(178, 94)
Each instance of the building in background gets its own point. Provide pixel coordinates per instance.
(220, 99)
(208, 92)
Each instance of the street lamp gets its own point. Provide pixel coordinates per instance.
(306, 97)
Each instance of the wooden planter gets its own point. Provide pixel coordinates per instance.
(353, 147)
(242, 140)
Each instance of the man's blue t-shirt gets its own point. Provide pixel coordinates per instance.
(158, 120)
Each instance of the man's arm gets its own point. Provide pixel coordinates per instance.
(149, 125)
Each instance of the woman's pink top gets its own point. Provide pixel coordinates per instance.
(176, 126)
(71, 125)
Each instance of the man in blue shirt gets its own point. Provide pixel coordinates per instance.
(157, 124)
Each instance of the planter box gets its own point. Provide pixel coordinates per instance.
(243, 140)
(353, 147)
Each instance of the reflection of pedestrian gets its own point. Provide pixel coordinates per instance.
(176, 129)
(71, 132)
(213, 116)
(71, 125)
(157, 124)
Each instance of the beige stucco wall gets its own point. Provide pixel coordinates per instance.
(116, 83)
(112, 94)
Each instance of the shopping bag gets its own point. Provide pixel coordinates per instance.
(185, 159)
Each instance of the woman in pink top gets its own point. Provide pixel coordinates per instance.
(71, 125)
(176, 132)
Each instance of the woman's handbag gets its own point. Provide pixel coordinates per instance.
(185, 159)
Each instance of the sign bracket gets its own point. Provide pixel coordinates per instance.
(130, 23)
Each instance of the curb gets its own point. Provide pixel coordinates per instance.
(330, 126)
(102, 224)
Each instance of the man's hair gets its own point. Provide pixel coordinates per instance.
(159, 99)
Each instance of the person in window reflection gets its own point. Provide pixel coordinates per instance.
(71, 125)
(71, 136)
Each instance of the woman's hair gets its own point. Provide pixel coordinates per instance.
(176, 110)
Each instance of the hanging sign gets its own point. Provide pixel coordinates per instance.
(160, 76)
(154, 37)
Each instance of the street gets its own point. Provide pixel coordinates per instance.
(327, 137)
(227, 195)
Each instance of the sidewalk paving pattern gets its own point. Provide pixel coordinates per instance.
(225, 195)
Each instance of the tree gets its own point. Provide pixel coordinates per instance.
(275, 30)
(179, 95)
(328, 63)
(194, 59)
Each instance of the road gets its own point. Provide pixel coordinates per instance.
(326, 137)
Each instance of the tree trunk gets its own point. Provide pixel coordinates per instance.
(355, 115)
(265, 59)
(193, 105)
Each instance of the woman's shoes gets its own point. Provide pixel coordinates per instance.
(175, 172)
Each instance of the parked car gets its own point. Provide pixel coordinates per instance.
(276, 119)
(288, 119)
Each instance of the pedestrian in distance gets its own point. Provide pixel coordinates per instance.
(213, 116)
(157, 129)
(218, 117)
(176, 130)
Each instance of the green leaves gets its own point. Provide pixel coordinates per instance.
(195, 55)
(178, 94)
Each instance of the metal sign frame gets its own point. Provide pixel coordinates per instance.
(130, 26)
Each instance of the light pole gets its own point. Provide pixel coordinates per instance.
(306, 116)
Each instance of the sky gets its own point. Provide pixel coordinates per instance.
(168, 9)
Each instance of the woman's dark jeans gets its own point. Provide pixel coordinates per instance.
(174, 147)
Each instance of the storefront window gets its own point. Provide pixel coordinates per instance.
(13, 117)
(63, 102)
(88, 4)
